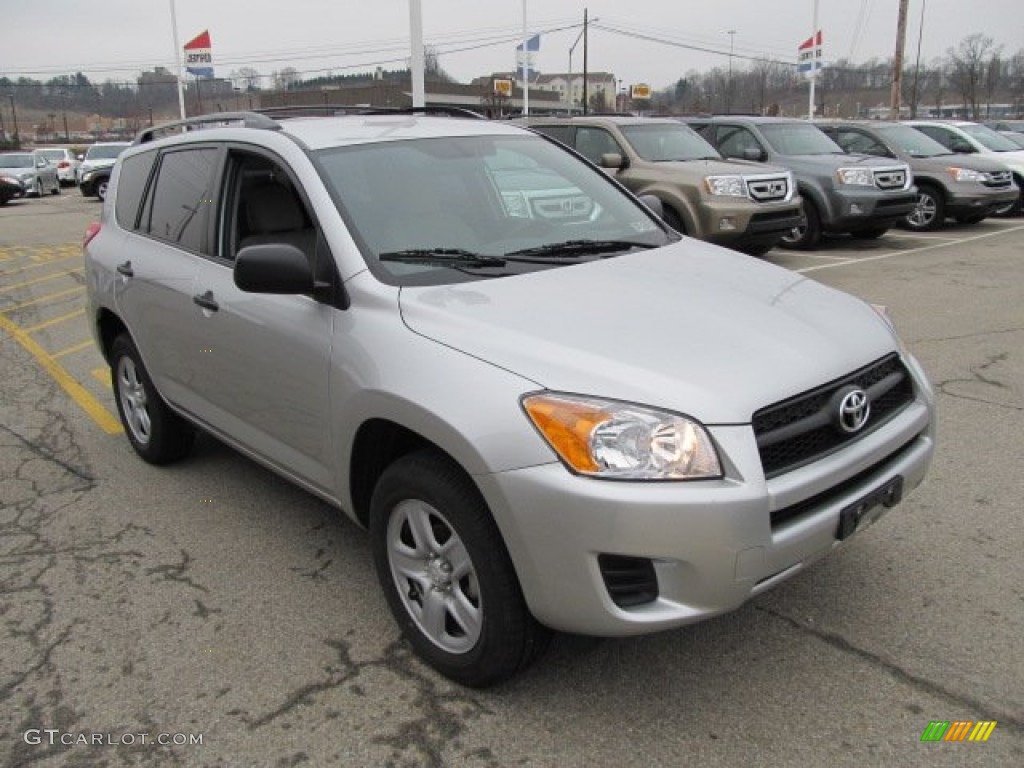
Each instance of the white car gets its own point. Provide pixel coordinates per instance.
(67, 163)
(965, 137)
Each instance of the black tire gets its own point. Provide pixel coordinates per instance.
(758, 250)
(929, 213)
(447, 575)
(673, 219)
(808, 236)
(100, 190)
(974, 218)
(156, 433)
(869, 234)
(56, 188)
(37, 190)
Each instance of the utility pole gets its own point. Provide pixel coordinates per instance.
(586, 94)
(814, 65)
(917, 64)
(419, 91)
(526, 65)
(64, 109)
(897, 62)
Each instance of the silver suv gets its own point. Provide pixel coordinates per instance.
(575, 420)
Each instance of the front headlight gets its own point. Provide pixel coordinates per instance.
(966, 174)
(622, 441)
(861, 177)
(728, 186)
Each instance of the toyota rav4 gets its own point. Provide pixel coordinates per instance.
(579, 422)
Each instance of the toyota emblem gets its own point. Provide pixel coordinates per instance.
(854, 410)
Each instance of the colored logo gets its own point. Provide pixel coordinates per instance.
(958, 730)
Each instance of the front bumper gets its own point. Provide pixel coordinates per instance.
(866, 208)
(979, 203)
(738, 222)
(712, 544)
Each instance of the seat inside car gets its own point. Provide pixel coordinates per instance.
(273, 214)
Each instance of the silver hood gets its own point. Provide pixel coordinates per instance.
(689, 327)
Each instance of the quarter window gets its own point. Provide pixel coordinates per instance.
(131, 184)
(181, 199)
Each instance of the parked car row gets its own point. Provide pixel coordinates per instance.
(34, 172)
(744, 184)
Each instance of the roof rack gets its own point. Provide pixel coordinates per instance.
(266, 118)
(331, 110)
(214, 120)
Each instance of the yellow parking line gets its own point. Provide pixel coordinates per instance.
(106, 421)
(37, 266)
(41, 299)
(102, 375)
(71, 350)
(54, 321)
(52, 276)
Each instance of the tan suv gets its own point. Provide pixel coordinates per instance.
(741, 204)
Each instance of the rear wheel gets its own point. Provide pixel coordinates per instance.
(156, 433)
(929, 212)
(447, 575)
(808, 234)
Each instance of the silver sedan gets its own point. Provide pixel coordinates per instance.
(33, 170)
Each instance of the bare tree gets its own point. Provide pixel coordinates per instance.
(246, 79)
(968, 64)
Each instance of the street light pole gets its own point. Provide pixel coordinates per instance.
(64, 110)
(14, 117)
(728, 87)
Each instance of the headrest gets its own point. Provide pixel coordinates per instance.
(273, 208)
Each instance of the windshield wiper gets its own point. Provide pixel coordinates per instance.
(454, 256)
(573, 248)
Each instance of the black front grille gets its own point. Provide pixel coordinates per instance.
(998, 180)
(804, 428)
(629, 580)
(769, 190)
(891, 179)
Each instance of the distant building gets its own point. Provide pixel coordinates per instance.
(602, 87)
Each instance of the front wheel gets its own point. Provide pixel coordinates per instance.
(807, 235)
(156, 433)
(37, 190)
(447, 575)
(101, 189)
(928, 214)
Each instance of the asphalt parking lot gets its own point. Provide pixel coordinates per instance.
(214, 602)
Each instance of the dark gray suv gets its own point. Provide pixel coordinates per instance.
(966, 188)
(842, 193)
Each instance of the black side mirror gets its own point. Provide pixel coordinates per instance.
(273, 268)
(961, 147)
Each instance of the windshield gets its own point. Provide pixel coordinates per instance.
(17, 161)
(911, 141)
(989, 139)
(799, 139)
(105, 151)
(453, 209)
(661, 142)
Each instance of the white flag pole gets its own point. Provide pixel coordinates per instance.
(177, 58)
(814, 62)
(419, 96)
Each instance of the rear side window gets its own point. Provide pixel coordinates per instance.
(181, 199)
(562, 133)
(131, 184)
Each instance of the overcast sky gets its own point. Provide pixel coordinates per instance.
(654, 40)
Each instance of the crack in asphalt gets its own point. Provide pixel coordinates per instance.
(421, 741)
(977, 377)
(837, 641)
